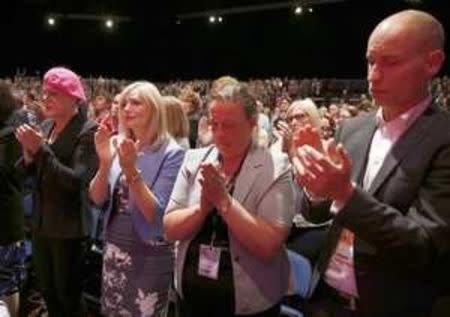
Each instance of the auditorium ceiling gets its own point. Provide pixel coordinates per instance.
(163, 40)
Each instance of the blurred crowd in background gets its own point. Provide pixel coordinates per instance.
(336, 100)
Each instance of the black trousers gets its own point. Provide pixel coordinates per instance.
(59, 265)
(327, 303)
(187, 310)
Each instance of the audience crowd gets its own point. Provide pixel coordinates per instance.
(282, 106)
(241, 210)
(337, 99)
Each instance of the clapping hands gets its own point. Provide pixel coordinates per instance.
(322, 168)
(214, 187)
(31, 138)
(102, 144)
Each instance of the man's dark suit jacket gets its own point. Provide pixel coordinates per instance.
(402, 222)
(62, 172)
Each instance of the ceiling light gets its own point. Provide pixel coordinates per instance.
(109, 23)
(51, 21)
(298, 10)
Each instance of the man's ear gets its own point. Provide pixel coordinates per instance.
(434, 61)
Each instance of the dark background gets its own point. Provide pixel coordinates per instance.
(327, 43)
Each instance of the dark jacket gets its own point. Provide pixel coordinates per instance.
(11, 186)
(62, 172)
(402, 222)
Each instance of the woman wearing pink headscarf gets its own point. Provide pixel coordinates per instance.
(60, 156)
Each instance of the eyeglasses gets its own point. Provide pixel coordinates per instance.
(297, 117)
(46, 94)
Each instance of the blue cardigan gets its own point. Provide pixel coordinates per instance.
(159, 167)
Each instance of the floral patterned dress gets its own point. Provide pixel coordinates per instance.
(136, 275)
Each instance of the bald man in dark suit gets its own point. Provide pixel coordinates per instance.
(385, 181)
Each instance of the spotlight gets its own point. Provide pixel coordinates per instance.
(109, 23)
(298, 10)
(212, 19)
(220, 19)
(310, 10)
(51, 21)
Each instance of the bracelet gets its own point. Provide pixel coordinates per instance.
(134, 178)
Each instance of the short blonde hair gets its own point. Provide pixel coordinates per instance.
(177, 121)
(150, 96)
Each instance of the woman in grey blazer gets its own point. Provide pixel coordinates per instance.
(231, 210)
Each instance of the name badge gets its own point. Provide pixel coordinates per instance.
(209, 260)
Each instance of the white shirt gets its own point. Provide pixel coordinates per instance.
(340, 272)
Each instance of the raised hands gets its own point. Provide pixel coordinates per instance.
(31, 139)
(308, 135)
(285, 132)
(214, 187)
(322, 168)
(102, 145)
(128, 152)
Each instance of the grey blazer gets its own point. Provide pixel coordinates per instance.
(265, 188)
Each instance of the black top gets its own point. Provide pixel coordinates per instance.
(11, 187)
(220, 291)
(196, 288)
